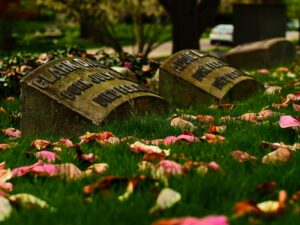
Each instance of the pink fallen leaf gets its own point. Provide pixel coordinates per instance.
(40, 144)
(190, 138)
(82, 156)
(169, 140)
(214, 166)
(183, 124)
(63, 142)
(209, 220)
(170, 167)
(241, 156)
(288, 121)
(267, 113)
(23, 170)
(47, 156)
(280, 155)
(263, 71)
(12, 132)
(296, 107)
(139, 147)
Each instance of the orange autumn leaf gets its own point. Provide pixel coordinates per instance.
(245, 207)
(205, 118)
(40, 144)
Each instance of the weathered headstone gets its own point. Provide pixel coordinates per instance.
(189, 77)
(266, 53)
(66, 95)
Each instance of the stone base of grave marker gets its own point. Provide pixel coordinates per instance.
(81, 93)
(261, 54)
(189, 78)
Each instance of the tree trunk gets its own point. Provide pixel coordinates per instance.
(184, 31)
(299, 32)
(189, 19)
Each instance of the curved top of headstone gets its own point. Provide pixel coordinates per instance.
(85, 86)
(205, 72)
(259, 45)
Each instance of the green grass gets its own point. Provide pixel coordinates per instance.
(210, 194)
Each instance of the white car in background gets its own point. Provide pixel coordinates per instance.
(222, 33)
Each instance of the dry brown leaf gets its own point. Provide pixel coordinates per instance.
(183, 124)
(241, 156)
(280, 155)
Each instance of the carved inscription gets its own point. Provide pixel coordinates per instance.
(78, 87)
(185, 59)
(205, 69)
(110, 95)
(222, 80)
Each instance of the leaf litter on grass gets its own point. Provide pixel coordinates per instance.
(204, 149)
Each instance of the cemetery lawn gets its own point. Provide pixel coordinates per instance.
(211, 193)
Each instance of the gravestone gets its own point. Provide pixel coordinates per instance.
(189, 77)
(266, 53)
(255, 22)
(66, 95)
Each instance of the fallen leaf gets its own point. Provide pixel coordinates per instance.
(40, 144)
(296, 107)
(4, 146)
(63, 142)
(205, 118)
(90, 158)
(153, 157)
(222, 106)
(170, 167)
(217, 129)
(29, 201)
(183, 124)
(98, 168)
(101, 137)
(5, 209)
(267, 113)
(241, 156)
(271, 90)
(209, 220)
(288, 121)
(139, 147)
(167, 198)
(245, 207)
(263, 71)
(251, 117)
(3, 111)
(280, 155)
(212, 138)
(12, 132)
(5, 175)
(47, 156)
(68, 171)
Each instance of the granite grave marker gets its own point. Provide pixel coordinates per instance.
(260, 54)
(190, 77)
(66, 95)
